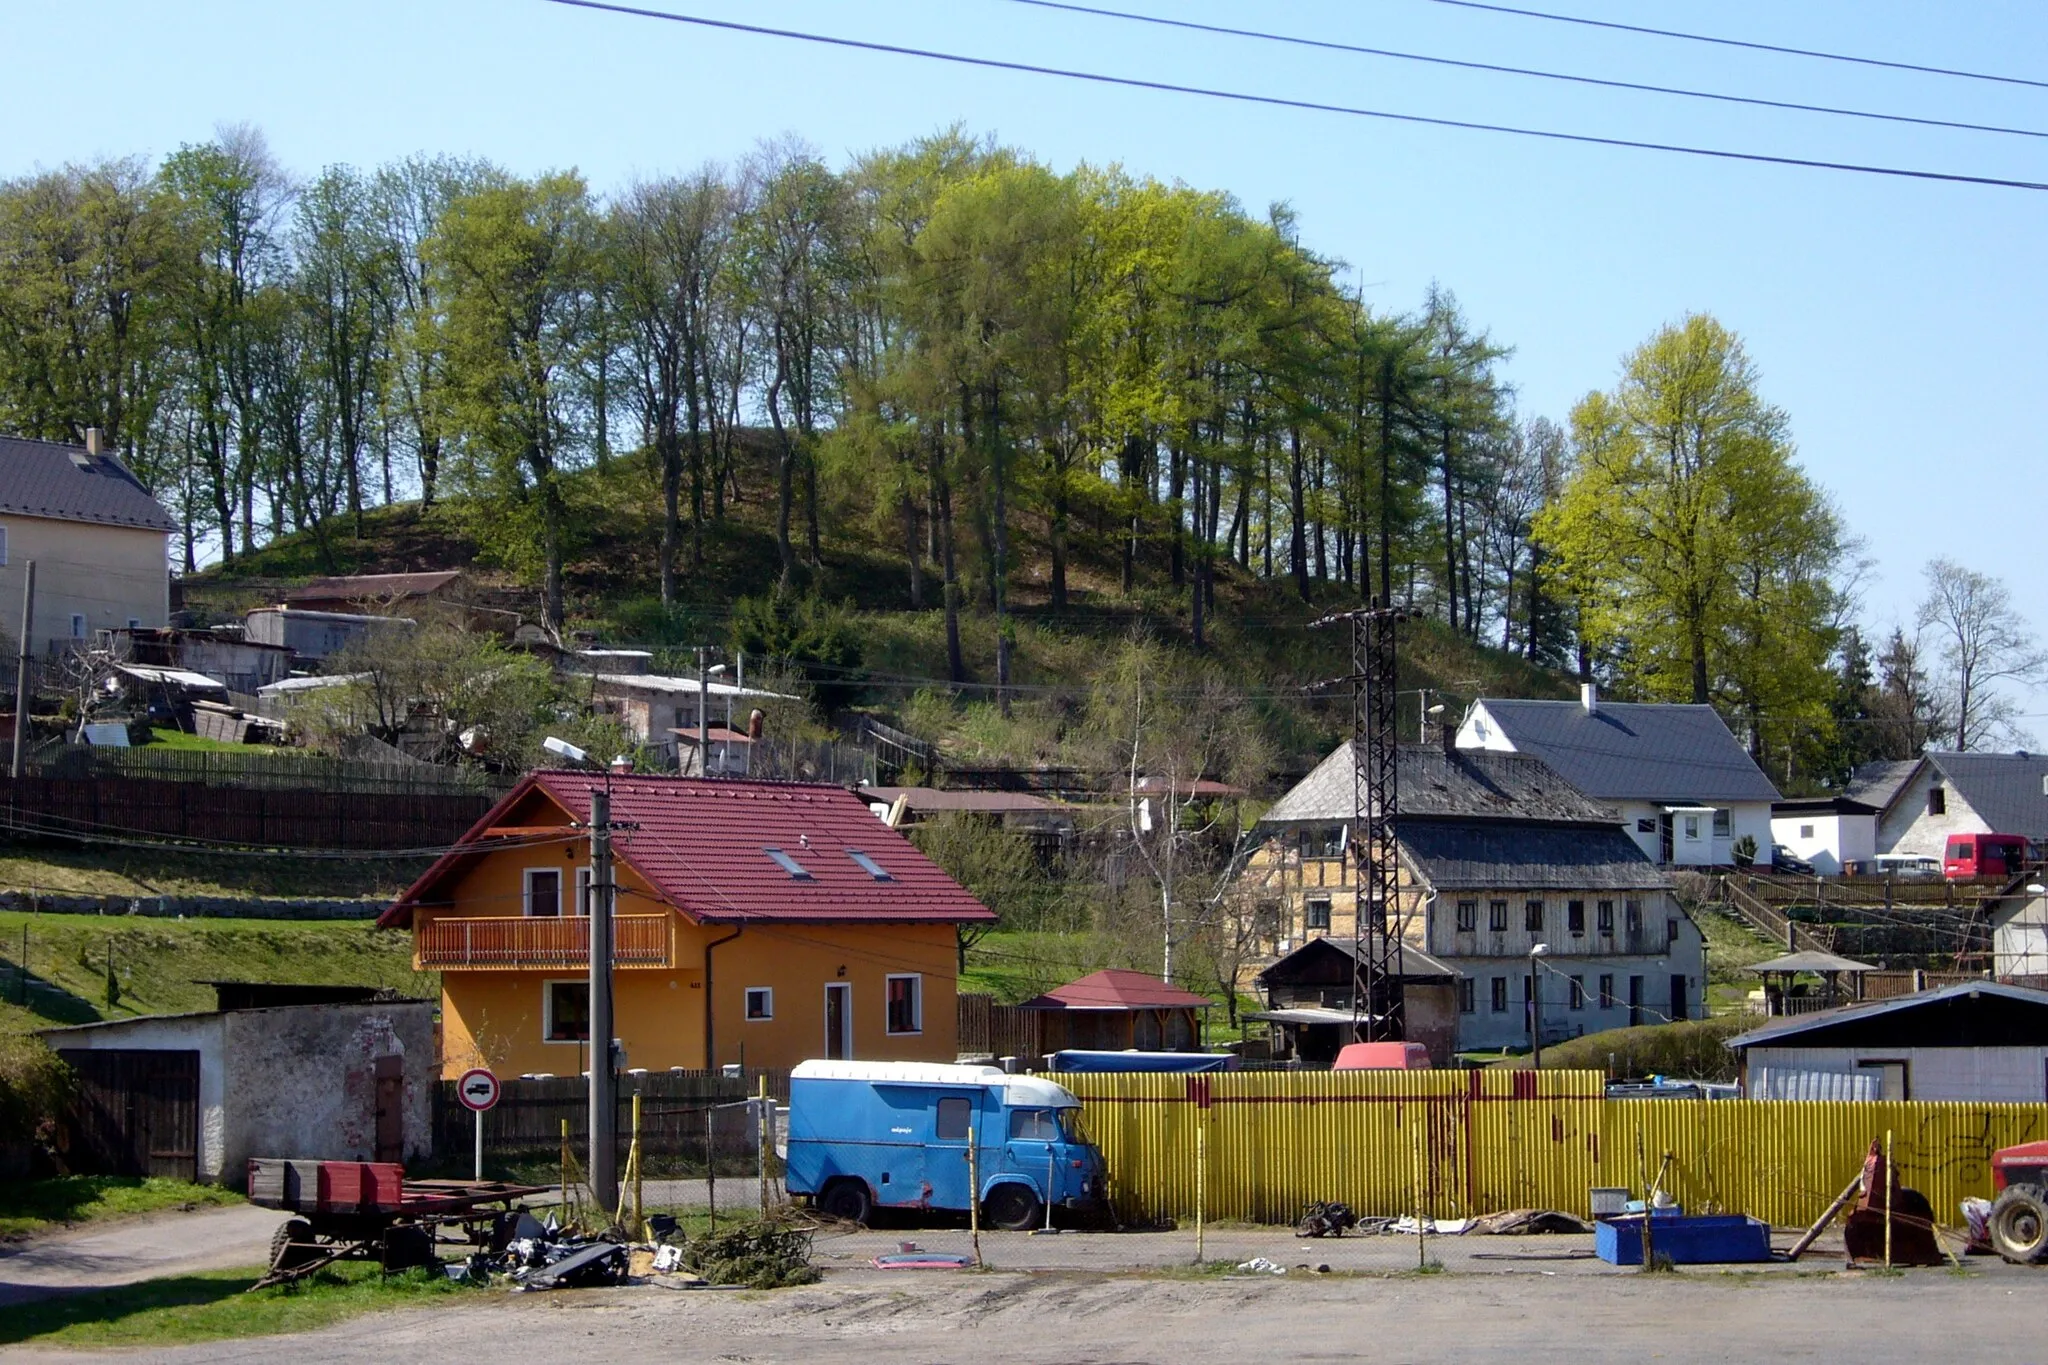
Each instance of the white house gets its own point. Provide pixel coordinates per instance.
(1831, 832)
(1981, 1041)
(1921, 801)
(1686, 790)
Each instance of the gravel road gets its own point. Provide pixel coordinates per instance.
(131, 1249)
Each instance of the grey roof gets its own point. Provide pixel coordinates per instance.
(2010, 791)
(1492, 855)
(1879, 783)
(44, 479)
(1414, 962)
(1811, 961)
(1823, 805)
(1794, 1025)
(1466, 783)
(1656, 751)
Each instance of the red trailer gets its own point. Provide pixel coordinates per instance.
(368, 1210)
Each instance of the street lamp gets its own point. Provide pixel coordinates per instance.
(1536, 1007)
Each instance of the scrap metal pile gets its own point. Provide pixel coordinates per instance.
(535, 1255)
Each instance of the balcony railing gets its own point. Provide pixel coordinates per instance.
(512, 942)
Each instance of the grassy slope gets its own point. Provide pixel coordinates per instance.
(29, 1206)
(611, 585)
(160, 964)
(141, 873)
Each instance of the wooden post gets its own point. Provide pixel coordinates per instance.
(1421, 1238)
(639, 1203)
(1891, 1185)
(711, 1165)
(1820, 1224)
(24, 690)
(1643, 1167)
(974, 1192)
(1201, 1165)
(764, 1137)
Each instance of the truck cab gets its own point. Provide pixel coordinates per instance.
(868, 1135)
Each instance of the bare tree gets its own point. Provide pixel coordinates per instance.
(1983, 641)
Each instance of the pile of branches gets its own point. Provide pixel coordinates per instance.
(765, 1255)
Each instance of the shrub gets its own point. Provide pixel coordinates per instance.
(1693, 1050)
(33, 1087)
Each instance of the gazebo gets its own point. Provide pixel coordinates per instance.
(1117, 1009)
(1782, 996)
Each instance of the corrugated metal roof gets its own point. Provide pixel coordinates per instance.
(705, 846)
(983, 802)
(1468, 783)
(45, 479)
(1656, 751)
(1495, 855)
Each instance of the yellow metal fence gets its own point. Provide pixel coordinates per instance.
(1457, 1143)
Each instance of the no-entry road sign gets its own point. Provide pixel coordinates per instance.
(478, 1089)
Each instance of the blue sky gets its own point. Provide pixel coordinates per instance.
(1898, 322)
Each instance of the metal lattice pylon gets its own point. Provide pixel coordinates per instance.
(1376, 998)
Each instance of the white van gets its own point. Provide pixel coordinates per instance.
(1906, 866)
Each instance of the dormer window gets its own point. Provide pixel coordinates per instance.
(869, 865)
(796, 870)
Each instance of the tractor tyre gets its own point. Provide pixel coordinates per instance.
(2019, 1225)
(289, 1245)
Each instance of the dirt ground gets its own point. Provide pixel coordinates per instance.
(1081, 1318)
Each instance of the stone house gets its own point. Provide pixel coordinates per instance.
(1921, 801)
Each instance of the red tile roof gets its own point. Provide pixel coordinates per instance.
(1117, 988)
(702, 845)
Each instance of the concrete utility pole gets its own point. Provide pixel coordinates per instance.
(604, 1102)
(703, 712)
(24, 690)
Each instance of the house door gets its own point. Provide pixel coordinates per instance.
(390, 1109)
(135, 1111)
(1664, 838)
(838, 1020)
(1635, 1001)
(1678, 1000)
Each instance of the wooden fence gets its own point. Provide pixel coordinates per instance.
(261, 817)
(683, 1115)
(280, 770)
(1000, 1030)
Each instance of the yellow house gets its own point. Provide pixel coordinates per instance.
(99, 541)
(760, 923)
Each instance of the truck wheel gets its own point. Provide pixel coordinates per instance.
(2019, 1225)
(846, 1200)
(1013, 1208)
(288, 1249)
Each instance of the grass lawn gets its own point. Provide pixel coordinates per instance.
(178, 739)
(1731, 946)
(212, 1306)
(159, 964)
(132, 873)
(28, 1206)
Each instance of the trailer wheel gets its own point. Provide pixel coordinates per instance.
(1013, 1208)
(846, 1200)
(288, 1245)
(2019, 1225)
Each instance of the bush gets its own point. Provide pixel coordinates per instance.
(820, 639)
(34, 1085)
(1694, 1050)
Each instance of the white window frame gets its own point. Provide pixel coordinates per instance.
(916, 1004)
(581, 905)
(1692, 829)
(747, 1001)
(547, 1010)
(1723, 823)
(526, 891)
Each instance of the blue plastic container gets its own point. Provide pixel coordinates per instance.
(1698, 1239)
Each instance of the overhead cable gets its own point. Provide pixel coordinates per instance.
(1329, 45)
(1312, 106)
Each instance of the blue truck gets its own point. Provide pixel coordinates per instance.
(868, 1135)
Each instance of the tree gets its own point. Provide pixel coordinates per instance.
(1983, 641)
(344, 285)
(1686, 533)
(514, 264)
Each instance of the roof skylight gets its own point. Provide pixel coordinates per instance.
(796, 870)
(870, 866)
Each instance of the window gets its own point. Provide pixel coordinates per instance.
(544, 891)
(1466, 1004)
(1723, 823)
(1692, 827)
(1646, 825)
(565, 1012)
(1578, 992)
(1316, 914)
(1670, 931)
(1468, 916)
(906, 1005)
(1606, 992)
(956, 1115)
(1806, 831)
(581, 905)
(1500, 995)
(1894, 1079)
(869, 865)
(1632, 916)
(3, 544)
(1333, 841)
(760, 1002)
(135, 623)
(1497, 916)
(1033, 1125)
(1937, 801)
(1532, 916)
(1604, 916)
(78, 625)
(796, 870)
(1575, 916)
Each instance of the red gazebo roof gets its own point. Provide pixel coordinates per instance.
(1118, 988)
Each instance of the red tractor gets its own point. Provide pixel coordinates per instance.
(2019, 1213)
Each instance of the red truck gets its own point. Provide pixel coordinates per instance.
(1970, 856)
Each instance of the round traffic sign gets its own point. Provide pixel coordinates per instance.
(478, 1089)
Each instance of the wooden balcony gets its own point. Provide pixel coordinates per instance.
(518, 943)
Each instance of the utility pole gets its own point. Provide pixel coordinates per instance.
(604, 1103)
(703, 711)
(24, 690)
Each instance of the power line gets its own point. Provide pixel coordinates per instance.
(1333, 46)
(1752, 46)
(1312, 106)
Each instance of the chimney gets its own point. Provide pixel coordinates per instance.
(1589, 697)
(92, 441)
